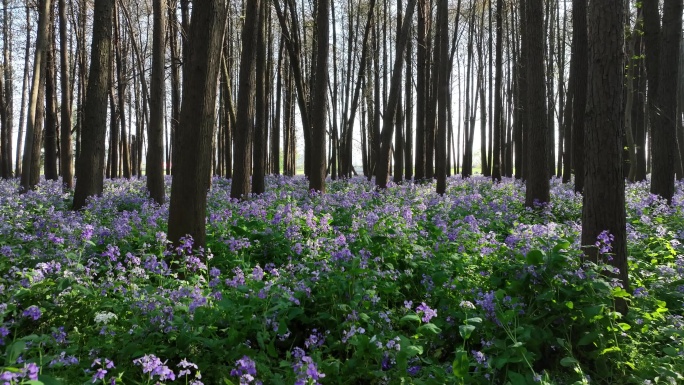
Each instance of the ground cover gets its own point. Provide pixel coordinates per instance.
(352, 287)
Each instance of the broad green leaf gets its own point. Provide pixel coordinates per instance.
(534, 257)
(466, 330)
(429, 329)
(14, 350)
(568, 362)
(461, 364)
(410, 318)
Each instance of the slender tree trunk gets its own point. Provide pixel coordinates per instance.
(665, 125)
(382, 166)
(51, 124)
(24, 89)
(319, 113)
(66, 148)
(8, 90)
(41, 46)
(442, 95)
(155, 131)
(260, 121)
(498, 97)
(537, 190)
(240, 187)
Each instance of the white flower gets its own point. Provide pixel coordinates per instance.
(467, 305)
(105, 317)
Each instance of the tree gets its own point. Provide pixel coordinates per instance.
(498, 98)
(155, 131)
(242, 157)
(578, 86)
(604, 191)
(66, 151)
(319, 113)
(90, 164)
(382, 166)
(34, 100)
(188, 206)
(537, 190)
(442, 95)
(664, 126)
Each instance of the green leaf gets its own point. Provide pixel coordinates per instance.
(611, 349)
(466, 330)
(474, 320)
(461, 364)
(410, 318)
(429, 329)
(588, 338)
(670, 351)
(47, 380)
(14, 350)
(570, 305)
(624, 326)
(534, 257)
(228, 382)
(568, 362)
(517, 378)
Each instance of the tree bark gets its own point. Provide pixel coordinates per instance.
(578, 61)
(664, 128)
(240, 187)
(155, 131)
(319, 111)
(90, 165)
(604, 192)
(537, 190)
(188, 205)
(66, 151)
(41, 46)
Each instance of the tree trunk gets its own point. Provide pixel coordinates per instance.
(260, 121)
(664, 128)
(66, 149)
(155, 131)
(382, 166)
(90, 165)
(188, 206)
(578, 61)
(41, 46)
(50, 129)
(442, 96)
(319, 111)
(8, 89)
(498, 97)
(604, 192)
(537, 190)
(240, 187)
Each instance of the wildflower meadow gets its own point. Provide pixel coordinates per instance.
(357, 286)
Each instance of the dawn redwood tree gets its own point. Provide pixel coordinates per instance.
(91, 162)
(604, 191)
(319, 111)
(664, 126)
(242, 157)
(537, 190)
(155, 130)
(498, 97)
(188, 206)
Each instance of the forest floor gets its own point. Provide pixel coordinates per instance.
(352, 287)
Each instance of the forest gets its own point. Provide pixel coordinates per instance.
(342, 192)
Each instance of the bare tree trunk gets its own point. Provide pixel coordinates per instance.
(537, 189)
(664, 126)
(498, 97)
(24, 89)
(50, 129)
(41, 46)
(188, 206)
(90, 165)
(444, 75)
(66, 149)
(319, 111)
(155, 131)
(8, 90)
(260, 121)
(381, 175)
(240, 187)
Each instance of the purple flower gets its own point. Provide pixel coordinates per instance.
(155, 367)
(479, 357)
(245, 369)
(428, 313)
(32, 312)
(640, 292)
